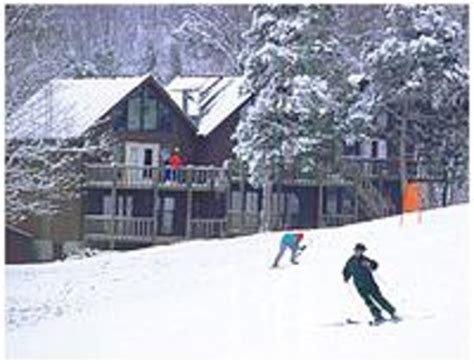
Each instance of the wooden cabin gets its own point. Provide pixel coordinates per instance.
(137, 199)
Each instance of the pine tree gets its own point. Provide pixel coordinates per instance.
(419, 69)
(293, 69)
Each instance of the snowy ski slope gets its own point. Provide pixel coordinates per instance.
(219, 299)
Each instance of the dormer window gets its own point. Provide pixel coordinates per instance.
(191, 104)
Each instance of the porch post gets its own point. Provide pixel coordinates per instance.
(155, 213)
(114, 204)
(356, 204)
(189, 203)
(242, 197)
(320, 206)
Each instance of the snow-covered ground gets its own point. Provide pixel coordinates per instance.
(219, 299)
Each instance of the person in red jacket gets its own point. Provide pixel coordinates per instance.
(175, 162)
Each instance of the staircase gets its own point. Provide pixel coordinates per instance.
(375, 204)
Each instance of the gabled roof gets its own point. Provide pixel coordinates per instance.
(68, 107)
(216, 96)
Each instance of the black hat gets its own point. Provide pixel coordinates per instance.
(360, 246)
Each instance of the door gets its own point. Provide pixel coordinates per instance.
(142, 159)
(166, 207)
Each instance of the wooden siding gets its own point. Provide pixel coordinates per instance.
(216, 147)
(182, 132)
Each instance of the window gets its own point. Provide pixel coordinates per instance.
(148, 157)
(382, 152)
(331, 201)
(107, 205)
(119, 153)
(357, 148)
(374, 148)
(133, 113)
(124, 205)
(147, 162)
(366, 149)
(168, 215)
(150, 112)
(293, 203)
(165, 119)
(119, 117)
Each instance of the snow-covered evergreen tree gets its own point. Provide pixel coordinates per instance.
(419, 69)
(293, 68)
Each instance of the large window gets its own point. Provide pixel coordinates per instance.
(133, 113)
(142, 111)
(150, 111)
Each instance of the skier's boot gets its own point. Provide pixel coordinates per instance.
(295, 262)
(395, 318)
(377, 321)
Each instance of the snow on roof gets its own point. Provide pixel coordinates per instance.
(192, 82)
(219, 97)
(355, 78)
(68, 107)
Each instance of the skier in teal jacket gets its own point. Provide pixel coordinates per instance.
(289, 241)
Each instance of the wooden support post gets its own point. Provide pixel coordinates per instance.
(242, 198)
(320, 207)
(356, 205)
(189, 204)
(114, 206)
(155, 212)
(228, 198)
(267, 204)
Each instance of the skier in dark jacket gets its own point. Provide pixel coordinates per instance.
(360, 268)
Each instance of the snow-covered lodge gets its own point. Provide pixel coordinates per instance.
(131, 201)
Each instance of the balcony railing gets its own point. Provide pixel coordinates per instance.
(338, 219)
(139, 229)
(127, 176)
(208, 228)
(243, 222)
(143, 229)
(385, 168)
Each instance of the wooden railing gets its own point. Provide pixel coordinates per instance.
(119, 227)
(123, 176)
(338, 219)
(243, 222)
(208, 228)
(375, 203)
(385, 168)
(142, 229)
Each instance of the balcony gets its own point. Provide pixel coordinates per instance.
(198, 178)
(373, 168)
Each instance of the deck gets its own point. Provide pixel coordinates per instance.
(196, 178)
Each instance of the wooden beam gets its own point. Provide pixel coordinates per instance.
(155, 213)
(189, 205)
(114, 204)
(320, 206)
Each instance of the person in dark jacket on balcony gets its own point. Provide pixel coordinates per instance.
(360, 268)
